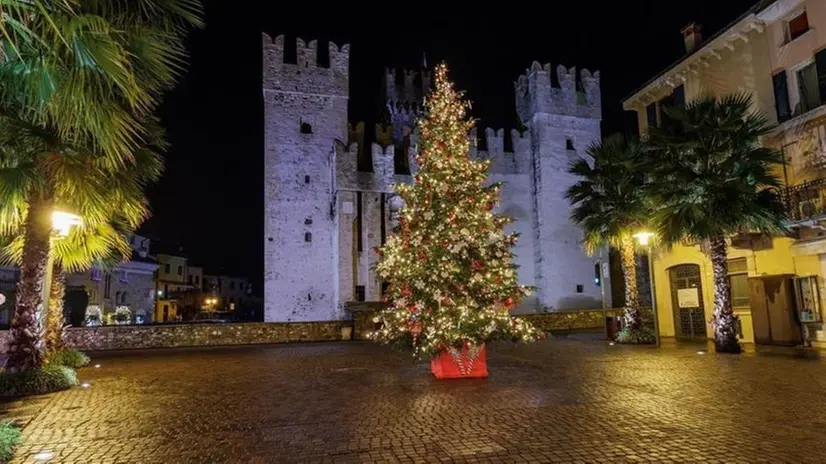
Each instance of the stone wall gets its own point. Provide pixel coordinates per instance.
(170, 336)
(560, 322)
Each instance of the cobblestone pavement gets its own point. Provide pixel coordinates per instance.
(554, 401)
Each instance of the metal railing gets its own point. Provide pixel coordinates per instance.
(806, 201)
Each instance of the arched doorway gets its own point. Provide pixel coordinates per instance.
(687, 301)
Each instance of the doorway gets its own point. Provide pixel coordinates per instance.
(687, 301)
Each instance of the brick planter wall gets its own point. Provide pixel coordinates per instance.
(168, 336)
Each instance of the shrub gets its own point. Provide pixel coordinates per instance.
(9, 437)
(641, 336)
(69, 357)
(46, 379)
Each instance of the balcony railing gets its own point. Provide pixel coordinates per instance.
(806, 201)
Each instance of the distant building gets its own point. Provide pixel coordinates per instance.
(170, 283)
(128, 284)
(231, 292)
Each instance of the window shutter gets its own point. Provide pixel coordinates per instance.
(781, 97)
(651, 114)
(820, 63)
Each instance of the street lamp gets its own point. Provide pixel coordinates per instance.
(62, 223)
(644, 238)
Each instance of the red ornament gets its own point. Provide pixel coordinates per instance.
(490, 206)
(476, 265)
(406, 291)
(444, 244)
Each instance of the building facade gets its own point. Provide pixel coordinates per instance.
(776, 51)
(230, 292)
(329, 197)
(129, 284)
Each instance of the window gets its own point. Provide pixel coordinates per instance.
(360, 293)
(96, 274)
(651, 114)
(797, 26)
(569, 144)
(123, 298)
(107, 286)
(781, 97)
(123, 276)
(232, 285)
(306, 128)
(580, 288)
(166, 268)
(807, 88)
(308, 237)
(189, 279)
(180, 270)
(807, 298)
(165, 290)
(738, 278)
(306, 179)
(197, 280)
(359, 225)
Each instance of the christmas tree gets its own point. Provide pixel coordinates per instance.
(449, 266)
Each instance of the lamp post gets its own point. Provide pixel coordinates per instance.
(644, 238)
(62, 223)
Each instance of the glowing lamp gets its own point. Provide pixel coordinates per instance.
(643, 237)
(63, 222)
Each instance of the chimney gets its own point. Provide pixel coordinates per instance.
(693, 37)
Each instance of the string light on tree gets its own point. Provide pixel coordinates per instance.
(452, 282)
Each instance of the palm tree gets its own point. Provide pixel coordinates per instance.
(110, 202)
(77, 73)
(711, 178)
(609, 205)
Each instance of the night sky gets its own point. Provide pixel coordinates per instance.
(210, 200)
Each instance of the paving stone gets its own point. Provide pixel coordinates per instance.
(554, 401)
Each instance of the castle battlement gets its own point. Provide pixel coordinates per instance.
(330, 192)
(306, 75)
(536, 94)
(517, 161)
(413, 88)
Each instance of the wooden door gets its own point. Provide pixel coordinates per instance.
(773, 311)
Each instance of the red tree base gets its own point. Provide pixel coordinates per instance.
(460, 366)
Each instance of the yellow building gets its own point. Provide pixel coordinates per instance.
(777, 52)
(172, 279)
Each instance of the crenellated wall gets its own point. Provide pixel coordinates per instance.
(326, 181)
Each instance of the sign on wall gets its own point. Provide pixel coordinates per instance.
(688, 298)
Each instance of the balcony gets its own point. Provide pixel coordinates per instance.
(806, 201)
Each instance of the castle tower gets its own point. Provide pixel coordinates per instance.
(563, 121)
(404, 102)
(305, 109)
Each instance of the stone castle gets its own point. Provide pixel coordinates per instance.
(329, 198)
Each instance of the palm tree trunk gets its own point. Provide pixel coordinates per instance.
(631, 316)
(54, 317)
(26, 345)
(724, 321)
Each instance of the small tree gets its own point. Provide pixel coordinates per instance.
(452, 281)
(711, 178)
(610, 205)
